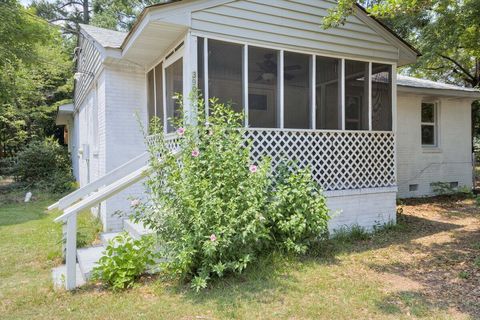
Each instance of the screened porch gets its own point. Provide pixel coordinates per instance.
(333, 114)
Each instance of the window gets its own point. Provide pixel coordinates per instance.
(173, 85)
(356, 95)
(296, 75)
(327, 90)
(428, 125)
(381, 97)
(225, 78)
(263, 86)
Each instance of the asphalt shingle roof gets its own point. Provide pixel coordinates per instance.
(429, 84)
(105, 37)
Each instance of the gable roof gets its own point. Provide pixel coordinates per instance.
(105, 37)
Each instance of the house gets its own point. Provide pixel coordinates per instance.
(329, 98)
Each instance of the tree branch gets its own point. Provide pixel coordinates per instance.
(465, 71)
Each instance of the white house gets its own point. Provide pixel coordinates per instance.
(328, 98)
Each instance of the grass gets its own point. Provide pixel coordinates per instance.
(412, 270)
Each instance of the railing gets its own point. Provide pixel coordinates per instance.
(93, 194)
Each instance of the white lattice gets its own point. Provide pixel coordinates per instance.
(339, 160)
(172, 141)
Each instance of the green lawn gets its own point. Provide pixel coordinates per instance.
(424, 268)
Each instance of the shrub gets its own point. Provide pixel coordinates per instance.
(207, 207)
(297, 212)
(214, 210)
(44, 164)
(124, 260)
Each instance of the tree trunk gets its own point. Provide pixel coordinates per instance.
(86, 12)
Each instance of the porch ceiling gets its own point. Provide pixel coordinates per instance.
(149, 42)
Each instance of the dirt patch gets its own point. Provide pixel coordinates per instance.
(441, 260)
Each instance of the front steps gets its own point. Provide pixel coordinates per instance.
(88, 257)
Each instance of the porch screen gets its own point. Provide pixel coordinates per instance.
(173, 85)
(225, 73)
(296, 90)
(328, 109)
(200, 66)
(159, 91)
(262, 87)
(356, 95)
(150, 95)
(381, 97)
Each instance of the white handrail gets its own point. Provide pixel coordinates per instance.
(109, 178)
(70, 213)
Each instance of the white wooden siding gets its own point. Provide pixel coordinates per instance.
(88, 64)
(295, 24)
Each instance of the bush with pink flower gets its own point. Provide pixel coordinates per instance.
(213, 209)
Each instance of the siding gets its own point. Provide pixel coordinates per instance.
(295, 24)
(89, 62)
(450, 162)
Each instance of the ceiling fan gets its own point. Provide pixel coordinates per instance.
(269, 68)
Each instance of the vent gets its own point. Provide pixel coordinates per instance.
(454, 185)
(413, 187)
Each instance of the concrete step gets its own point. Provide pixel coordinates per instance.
(136, 230)
(107, 236)
(59, 274)
(88, 258)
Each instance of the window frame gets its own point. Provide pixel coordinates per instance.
(435, 105)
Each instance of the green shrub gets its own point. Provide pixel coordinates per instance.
(44, 164)
(214, 210)
(297, 211)
(208, 207)
(125, 259)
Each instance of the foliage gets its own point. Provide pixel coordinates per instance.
(44, 164)
(297, 213)
(207, 207)
(214, 210)
(124, 260)
(35, 77)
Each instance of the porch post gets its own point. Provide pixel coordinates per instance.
(71, 253)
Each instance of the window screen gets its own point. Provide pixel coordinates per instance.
(225, 73)
(356, 95)
(262, 87)
(381, 97)
(428, 126)
(328, 113)
(296, 90)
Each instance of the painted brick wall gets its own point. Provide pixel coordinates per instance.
(124, 108)
(450, 162)
(366, 208)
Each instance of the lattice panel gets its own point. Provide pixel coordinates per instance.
(339, 160)
(172, 140)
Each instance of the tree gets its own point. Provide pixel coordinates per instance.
(35, 75)
(447, 32)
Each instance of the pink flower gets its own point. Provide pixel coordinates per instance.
(253, 168)
(195, 153)
(135, 203)
(181, 131)
(213, 237)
